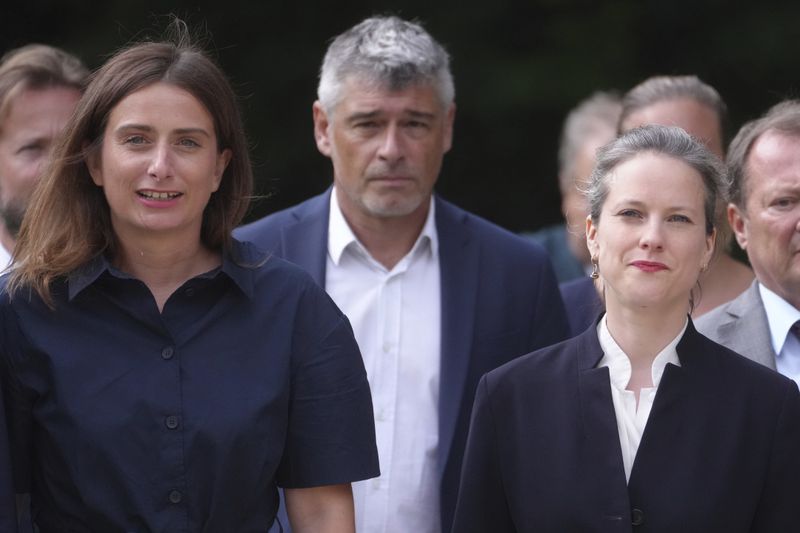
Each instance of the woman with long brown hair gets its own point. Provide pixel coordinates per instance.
(158, 374)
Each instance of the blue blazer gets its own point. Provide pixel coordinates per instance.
(720, 452)
(499, 300)
(581, 302)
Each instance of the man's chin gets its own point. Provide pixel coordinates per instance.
(12, 220)
(392, 209)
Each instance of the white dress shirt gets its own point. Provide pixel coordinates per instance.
(5, 258)
(781, 316)
(630, 420)
(396, 316)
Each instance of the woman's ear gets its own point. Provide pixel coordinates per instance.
(92, 159)
(591, 236)
(708, 254)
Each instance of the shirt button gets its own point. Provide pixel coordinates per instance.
(189, 292)
(167, 352)
(637, 517)
(175, 496)
(171, 422)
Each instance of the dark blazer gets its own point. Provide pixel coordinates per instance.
(499, 300)
(8, 517)
(581, 302)
(720, 453)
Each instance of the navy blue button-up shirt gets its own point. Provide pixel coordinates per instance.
(126, 419)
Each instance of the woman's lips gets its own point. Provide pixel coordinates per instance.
(649, 266)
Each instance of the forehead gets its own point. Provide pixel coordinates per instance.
(160, 102)
(656, 179)
(774, 160)
(31, 108)
(358, 94)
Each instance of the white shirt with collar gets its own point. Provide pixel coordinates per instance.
(630, 420)
(396, 317)
(781, 316)
(5, 258)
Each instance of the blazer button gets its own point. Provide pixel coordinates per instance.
(637, 517)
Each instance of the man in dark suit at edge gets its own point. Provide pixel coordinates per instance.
(436, 296)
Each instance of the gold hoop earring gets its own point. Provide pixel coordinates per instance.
(595, 269)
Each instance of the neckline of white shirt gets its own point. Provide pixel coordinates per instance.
(619, 365)
(781, 316)
(340, 235)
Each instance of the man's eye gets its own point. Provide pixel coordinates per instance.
(679, 218)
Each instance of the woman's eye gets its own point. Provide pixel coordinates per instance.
(190, 143)
(629, 213)
(134, 139)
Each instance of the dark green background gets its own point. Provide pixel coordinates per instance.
(519, 67)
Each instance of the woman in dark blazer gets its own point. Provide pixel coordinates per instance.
(640, 423)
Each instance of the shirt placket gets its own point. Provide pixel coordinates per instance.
(171, 420)
(385, 396)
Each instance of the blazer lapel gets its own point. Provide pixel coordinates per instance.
(599, 425)
(597, 407)
(667, 421)
(305, 242)
(458, 263)
(747, 332)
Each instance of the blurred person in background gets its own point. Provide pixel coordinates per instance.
(39, 88)
(590, 125)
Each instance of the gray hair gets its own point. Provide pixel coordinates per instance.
(386, 52)
(595, 118)
(663, 88)
(666, 140)
(783, 118)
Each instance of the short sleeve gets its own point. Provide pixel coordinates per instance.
(331, 432)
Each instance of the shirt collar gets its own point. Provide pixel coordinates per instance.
(341, 236)
(238, 264)
(619, 365)
(781, 316)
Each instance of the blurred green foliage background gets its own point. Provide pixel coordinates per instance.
(519, 68)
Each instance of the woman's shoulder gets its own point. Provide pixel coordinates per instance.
(553, 364)
(732, 369)
(266, 268)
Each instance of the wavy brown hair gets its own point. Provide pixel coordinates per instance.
(68, 221)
